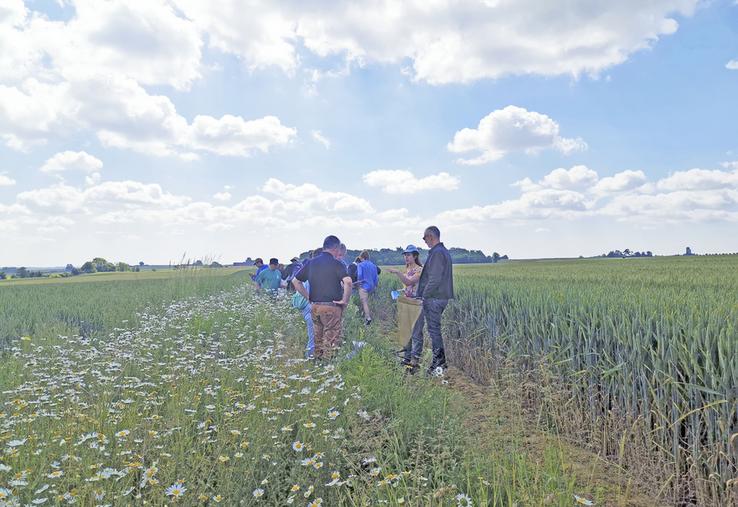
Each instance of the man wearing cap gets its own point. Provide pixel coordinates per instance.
(260, 266)
(269, 279)
(330, 292)
(435, 288)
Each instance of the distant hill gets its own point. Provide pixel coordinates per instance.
(393, 256)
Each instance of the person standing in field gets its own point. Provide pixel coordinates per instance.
(303, 304)
(367, 278)
(330, 292)
(271, 278)
(259, 265)
(435, 288)
(413, 269)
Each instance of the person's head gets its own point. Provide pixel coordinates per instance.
(357, 260)
(364, 256)
(258, 262)
(412, 255)
(317, 252)
(294, 260)
(273, 264)
(332, 245)
(432, 236)
(341, 252)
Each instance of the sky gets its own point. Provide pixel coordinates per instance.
(167, 129)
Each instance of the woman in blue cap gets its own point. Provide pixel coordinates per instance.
(413, 268)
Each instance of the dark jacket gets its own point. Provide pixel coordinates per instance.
(437, 279)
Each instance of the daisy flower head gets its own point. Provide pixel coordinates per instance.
(582, 501)
(218, 498)
(297, 446)
(316, 503)
(295, 488)
(176, 490)
(463, 500)
(258, 493)
(55, 474)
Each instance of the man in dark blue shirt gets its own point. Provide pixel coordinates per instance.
(330, 291)
(435, 288)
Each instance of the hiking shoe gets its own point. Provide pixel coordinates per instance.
(411, 366)
(438, 372)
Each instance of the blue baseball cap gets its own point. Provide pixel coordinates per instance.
(411, 249)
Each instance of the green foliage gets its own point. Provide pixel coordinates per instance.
(393, 257)
(642, 352)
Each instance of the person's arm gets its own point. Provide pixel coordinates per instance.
(435, 266)
(300, 287)
(407, 280)
(346, 291)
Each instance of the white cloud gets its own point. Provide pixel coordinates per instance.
(622, 181)
(232, 135)
(699, 179)
(72, 161)
(89, 73)
(146, 41)
(308, 198)
(319, 137)
(124, 115)
(684, 196)
(445, 41)
(222, 196)
(261, 33)
(6, 181)
(512, 129)
(732, 65)
(405, 182)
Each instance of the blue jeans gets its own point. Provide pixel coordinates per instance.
(431, 314)
(307, 315)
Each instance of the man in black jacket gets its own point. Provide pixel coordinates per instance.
(435, 288)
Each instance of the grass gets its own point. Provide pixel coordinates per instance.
(635, 358)
(202, 392)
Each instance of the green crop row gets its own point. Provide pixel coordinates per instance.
(637, 358)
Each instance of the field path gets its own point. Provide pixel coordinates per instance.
(498, 420)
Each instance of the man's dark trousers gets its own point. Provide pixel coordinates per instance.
(432, 312)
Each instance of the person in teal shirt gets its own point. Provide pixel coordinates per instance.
(269, 279)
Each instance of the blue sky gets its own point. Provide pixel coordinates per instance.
(148, 132)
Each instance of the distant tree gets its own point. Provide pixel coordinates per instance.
(122, 266)
(69, 268)
(626, 252)
(198, 262)
(215, 264)
(141, 263)
(21, 273)
(88, 267)
(3, 276)
(495, 257)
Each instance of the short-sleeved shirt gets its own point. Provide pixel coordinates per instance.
(325, 274)
(269, 279)
(366, 273)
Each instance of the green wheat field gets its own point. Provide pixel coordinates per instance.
(581, 382)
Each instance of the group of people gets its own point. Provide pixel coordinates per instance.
(324, 283)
